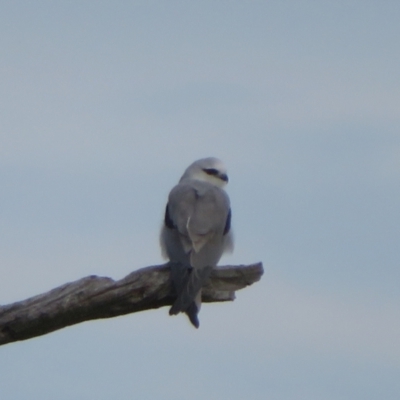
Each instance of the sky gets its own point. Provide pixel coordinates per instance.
(103, 104)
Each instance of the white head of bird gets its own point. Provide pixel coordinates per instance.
(210, 169)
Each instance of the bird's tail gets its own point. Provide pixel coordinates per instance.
(188, 285)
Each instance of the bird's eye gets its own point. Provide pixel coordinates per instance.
(211, 171)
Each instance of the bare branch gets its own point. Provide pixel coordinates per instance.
(96, 297)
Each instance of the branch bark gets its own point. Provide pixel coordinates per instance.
(96, 297)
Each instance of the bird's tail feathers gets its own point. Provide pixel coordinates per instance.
(192, 313)
(188, 286)
(179, 276)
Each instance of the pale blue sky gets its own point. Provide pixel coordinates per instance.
(103, 104)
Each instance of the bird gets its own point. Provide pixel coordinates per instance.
(196, 231)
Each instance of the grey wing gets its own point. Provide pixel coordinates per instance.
(197, 222)
(208, 227)
(175, 241)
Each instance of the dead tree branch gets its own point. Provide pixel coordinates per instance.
(96, 297)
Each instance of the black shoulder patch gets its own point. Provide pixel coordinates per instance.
(167, 219)
(228, 223)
